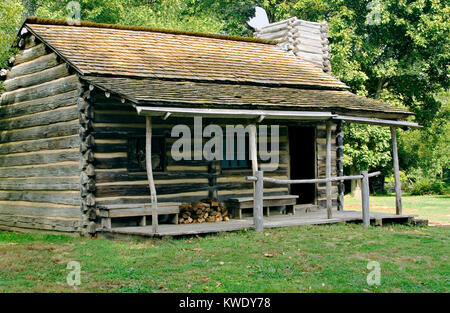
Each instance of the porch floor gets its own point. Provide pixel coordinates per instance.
(310, 218)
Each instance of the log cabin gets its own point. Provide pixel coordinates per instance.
(87, 113)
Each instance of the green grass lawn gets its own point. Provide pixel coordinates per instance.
(327, 258)
(434, 208)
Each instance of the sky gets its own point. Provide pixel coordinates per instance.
(260, 19)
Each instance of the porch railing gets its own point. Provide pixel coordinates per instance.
(258, 199)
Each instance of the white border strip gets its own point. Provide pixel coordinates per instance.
(365, 120)
(229, 113)
(165, 112)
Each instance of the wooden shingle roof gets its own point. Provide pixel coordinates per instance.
(120, 51)
(155, 91)
(147, 65)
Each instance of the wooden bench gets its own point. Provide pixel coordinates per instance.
(107, 212)
(235, 205)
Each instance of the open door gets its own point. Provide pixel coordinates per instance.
(302, 152)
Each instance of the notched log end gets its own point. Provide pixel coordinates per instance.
(24, 31)
(70, 69)
(3, 74)
(11, 61)
(21, 43)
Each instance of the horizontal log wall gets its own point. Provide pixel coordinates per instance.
(185, 180)
(39, 143)
(320, 170)
(232, 183)
(114, 123)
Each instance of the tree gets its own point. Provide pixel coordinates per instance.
(226, 16)
(100, 11)
(172, 14)
(397, 51)
(427, 152)
(365, 147)
(11, 16)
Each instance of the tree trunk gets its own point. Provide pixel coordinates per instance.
(355, 188)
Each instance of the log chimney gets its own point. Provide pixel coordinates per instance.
(307, 40)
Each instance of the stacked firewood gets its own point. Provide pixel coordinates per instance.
(207, 210)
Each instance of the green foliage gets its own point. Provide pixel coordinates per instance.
(401, 56)
(366, 147)
(396, 51)
(426, 153)
(227, 16)
(436, 209)
(402, 59)
(171, 14)
(11, 12)
(231, 14)
(329, 258)
(390, 182)
(428, 186)
(418, 183)
(100, 11)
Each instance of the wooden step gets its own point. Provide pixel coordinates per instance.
(236, 205)
(306, 208)
(245, 199)
(142, 210)
(138, 209)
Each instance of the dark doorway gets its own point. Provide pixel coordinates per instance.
(302, 152)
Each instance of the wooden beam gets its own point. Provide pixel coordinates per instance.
(258, 185)
(340, 163)
(258, 218)
(151, 182)
(44, 90)
(398, 184)
(42, 63)
(328, 170)
(311, 181)
(30, 54)
(31, 133)
(374, 121)
(253, 149)
(365, 198)
(38, 78)
(231, 113)
(64, 114)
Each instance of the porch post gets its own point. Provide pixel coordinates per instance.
(328, 171)
(398, 185)
(253, 149)
(258, 185)
(258, 202)
(340, 163)
(151, 182)
(365, 198)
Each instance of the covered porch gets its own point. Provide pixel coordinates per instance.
(300, 218)
(253, 106)
(324, 215)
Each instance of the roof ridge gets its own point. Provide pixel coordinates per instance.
(46, 21)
